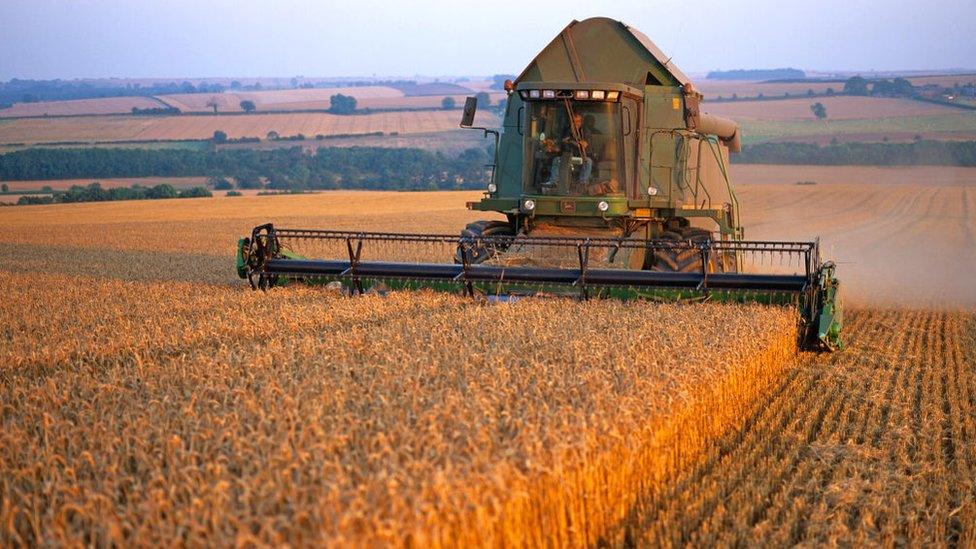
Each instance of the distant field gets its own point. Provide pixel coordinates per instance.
(316, 98)
(131, 128)
(367, 97)
(838, 108)
(106, 105)
(715, 88)
(766, 174)
(901, 236)
(452, 141)
(944, 80)
(957, 125)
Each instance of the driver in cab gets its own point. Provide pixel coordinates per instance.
(575, 142)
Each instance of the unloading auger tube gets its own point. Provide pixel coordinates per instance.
(360, 260)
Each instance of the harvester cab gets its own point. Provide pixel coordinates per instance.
(603, 135)
(610, 181)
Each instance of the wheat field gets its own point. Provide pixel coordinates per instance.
(148, 397)
(183, 411)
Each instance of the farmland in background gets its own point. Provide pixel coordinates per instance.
(176, 128)
(713, 89)
(959, 125)
(452, 141)
(838, 108)
(78, 107)
(424, 96)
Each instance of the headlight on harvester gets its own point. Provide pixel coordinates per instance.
(651, 191)
(602, 206)
(529, 205)
(492, 188)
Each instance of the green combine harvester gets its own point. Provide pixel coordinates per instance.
(612, 182)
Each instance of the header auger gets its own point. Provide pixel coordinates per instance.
(612, 182)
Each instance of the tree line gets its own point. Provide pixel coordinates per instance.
(291, 168)
(94, 192)
(32, 91)
(917, 153)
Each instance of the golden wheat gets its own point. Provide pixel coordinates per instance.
(152, 412)
(146, 397)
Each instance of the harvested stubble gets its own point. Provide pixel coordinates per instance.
(149, 412)
(872, 447)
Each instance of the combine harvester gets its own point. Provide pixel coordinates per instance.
(613, 182)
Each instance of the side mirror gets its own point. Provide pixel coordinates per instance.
(470, 107)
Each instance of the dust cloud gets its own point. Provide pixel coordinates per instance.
(900, 236)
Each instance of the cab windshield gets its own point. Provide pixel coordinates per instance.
(573, 148)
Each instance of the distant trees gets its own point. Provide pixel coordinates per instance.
(819, 110)
(213, 103)
(247, 179)
(156, 111)
(915, 153)
(273, 136)
(281, 168)
(17, 90)
(95, 193)
(248, 106)
(219, 137)
(899, 87)
(856, 85)
(219, 183)
(5, 188)
(447, 103)
(342, 104)
(484, 100)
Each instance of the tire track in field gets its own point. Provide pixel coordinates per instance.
(873, 445)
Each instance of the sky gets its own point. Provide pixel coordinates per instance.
(315, 38)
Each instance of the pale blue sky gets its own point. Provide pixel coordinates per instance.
(203, 38)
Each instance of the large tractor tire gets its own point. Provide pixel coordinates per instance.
(689, 260)
(483, 252)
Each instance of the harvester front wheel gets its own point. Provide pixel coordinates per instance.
(689, 260)
(478, 251)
